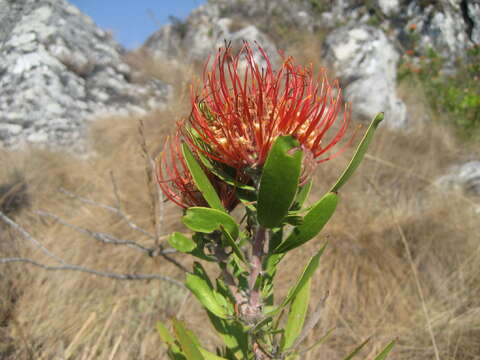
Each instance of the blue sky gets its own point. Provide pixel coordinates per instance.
(131, 22)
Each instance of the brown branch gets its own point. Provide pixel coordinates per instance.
(30, 238)
(112, 209)
(99, 236)
(69, 267)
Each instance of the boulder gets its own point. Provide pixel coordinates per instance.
(465, 178)
(57, 71)
(472, 12)
(366, 63)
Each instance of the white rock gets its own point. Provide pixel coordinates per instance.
(204, 33)
(48, 51)
(366, 63)
(389, 6)
(464, 177)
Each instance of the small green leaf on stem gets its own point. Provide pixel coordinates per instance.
(206, 220)
(201, 180)
(359, 153)
(231, 242)
(313, 223)
(303, 194)
(189, 347)
(205, 294)
(166, 336)
(296, 316)
(306, 276)
(181, 242)
(207, 355)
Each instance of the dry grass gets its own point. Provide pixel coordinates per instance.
(390, 202)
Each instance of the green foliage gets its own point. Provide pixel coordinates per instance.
(302, 280)
(181, 242)
(240, 302)
(359, 154)
(188, 344)
(297, 315)
(206, 220)
(201, 180)
(279, 181)
(312, 224)
(208, 297)
(454, 93)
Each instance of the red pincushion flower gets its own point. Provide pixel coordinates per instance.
(242, 108)
(177, 184)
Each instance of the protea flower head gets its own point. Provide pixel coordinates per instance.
(242, 108)
(176, 182)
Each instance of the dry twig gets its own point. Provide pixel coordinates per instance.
(70, 267)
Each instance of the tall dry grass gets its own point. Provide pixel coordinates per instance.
(402, 259)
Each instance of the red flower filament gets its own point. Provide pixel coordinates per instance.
(242, 109)
(176, 182)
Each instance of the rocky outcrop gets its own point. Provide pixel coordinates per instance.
(364, 44)
(465, 177)
(205, 31)
(366, 62)
(57, 70)
(449, 27)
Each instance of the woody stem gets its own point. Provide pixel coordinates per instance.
(256, 265)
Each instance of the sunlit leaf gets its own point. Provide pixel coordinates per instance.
(206, 295)
(188, 345)
(359, 153)
(181, 242)
(201, 180)
(313, 222)
(206, 220)
(296, 316)
(279, 181)
(306, 276)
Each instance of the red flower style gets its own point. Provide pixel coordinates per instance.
(177, 184)
(242, 108)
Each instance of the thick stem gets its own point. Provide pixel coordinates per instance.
(256, 265)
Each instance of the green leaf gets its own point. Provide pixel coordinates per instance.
(359, 153)
(279, 181)
(207, 355)
(383, 355)
(224, 174)
(303, 194)
(357, 350)
(296, 317)
(166, 336)
(306, 276)
(313, 223)
(231, 242)
(199, 270)
(188, 345)
(181, 242)
(206, 295)
(233, 335)
(199, 251)
(206, 220)
(293, 219)
(201, 180)
(314, 345)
